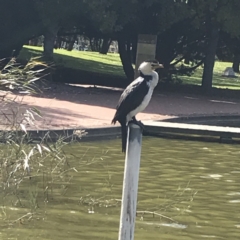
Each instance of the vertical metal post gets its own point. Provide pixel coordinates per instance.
(130, 183)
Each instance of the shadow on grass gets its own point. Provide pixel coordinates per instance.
(90, 65)
(95, 70)
(70, 69)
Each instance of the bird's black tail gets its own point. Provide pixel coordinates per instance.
(124, 136)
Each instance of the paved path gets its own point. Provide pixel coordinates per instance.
(86, 107)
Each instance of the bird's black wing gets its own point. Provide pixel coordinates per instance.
(131, 98)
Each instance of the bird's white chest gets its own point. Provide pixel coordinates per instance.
(142, 106)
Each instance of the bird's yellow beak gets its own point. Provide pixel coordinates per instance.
(159, 66)
(155, 66)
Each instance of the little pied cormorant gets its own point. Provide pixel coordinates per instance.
(136, 97)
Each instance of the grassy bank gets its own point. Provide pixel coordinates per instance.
(82, 60)
(110, 64)
(218, 80)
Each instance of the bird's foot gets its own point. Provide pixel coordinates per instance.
(139, 123)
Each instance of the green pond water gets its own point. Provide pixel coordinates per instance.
(196, 184)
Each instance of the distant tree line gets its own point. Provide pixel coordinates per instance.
(190, 32)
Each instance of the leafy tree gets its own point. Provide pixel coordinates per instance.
(53, 15)
(147, 17)
(26, 19)
(211, 18)
(229, 50)
(192, 31)
(19, 24)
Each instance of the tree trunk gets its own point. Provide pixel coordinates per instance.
(236, 62)
(99, 43)
(58, 43)
(210, 58)
(187, 58)
(49, 41)
(129, 48)
(91, 44)
(126, 59)
(72, 40)
(95, 45)
(67, 38)
(134, 49)
(34, 42)
(71, 43)
(105, 45)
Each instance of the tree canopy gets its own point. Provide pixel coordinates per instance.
(190, 32)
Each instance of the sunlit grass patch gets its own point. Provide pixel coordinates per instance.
(110, 64)
(218, 80)
(82, 60)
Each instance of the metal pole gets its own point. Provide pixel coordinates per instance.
(130, 183)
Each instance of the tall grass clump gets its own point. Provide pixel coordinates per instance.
(23, 164)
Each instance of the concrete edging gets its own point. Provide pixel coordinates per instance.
(67, 135)
(202, 118)
(164, 128)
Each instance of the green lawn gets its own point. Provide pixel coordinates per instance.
(111, 64)
(218, 80)
(83, 60)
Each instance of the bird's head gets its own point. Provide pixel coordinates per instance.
(148, 66)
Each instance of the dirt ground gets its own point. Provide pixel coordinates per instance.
(71, 106)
